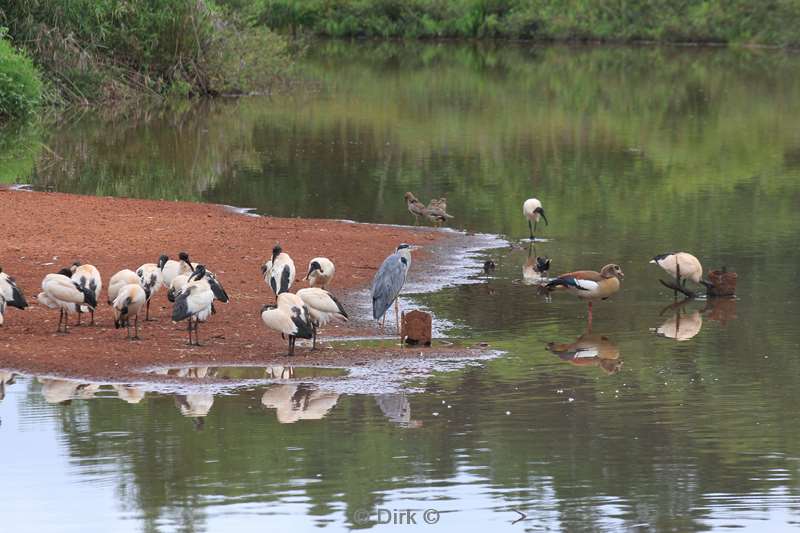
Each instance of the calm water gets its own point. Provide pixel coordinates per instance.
(634, 151)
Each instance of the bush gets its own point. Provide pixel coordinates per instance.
(20, 85)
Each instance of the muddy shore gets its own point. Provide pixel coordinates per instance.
(43, 232)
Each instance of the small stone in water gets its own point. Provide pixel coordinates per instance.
(435, 413)
(571, 399)
(508, 413)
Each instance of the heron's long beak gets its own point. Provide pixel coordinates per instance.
(541, 212)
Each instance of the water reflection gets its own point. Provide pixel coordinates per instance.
(397, 409)
(590, 349)
(685, 323)
(6, 378)
(64, 390)
(129, 393)
(295, 402)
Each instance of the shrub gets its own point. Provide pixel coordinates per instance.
(20, 85)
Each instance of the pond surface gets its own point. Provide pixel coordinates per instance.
(660, 418)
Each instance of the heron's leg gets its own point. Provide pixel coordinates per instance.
(397, 313)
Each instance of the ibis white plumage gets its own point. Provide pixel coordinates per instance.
(127, 305)
(195, 302)
(119, 280)
(322, 307)
(279, 271)
(533, 211)
(320, 272)
(10, 295)
(151, 280)
(172, 268)
(681, 266)
(176, 286)
(87, 276)
(290, 316)
(59, 291)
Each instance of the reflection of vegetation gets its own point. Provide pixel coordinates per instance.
(20, 146)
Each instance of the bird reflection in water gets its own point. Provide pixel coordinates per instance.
(684, 324)
(64, 391)
(590, 349)
(397, 409)
(301, 401)
(534, 271)
(6, 378)
(195, 405)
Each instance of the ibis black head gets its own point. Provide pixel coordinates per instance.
(542, 264)
(75, 266)
(488, 266)
(89, 297)
(65, 272)
(540, 210)
(276, 251)
(312, 267)
(267, 307)
(162, 260)
(198, 273)
(183, 256)
(1, 270)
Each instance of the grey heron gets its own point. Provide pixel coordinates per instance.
(389, 281)
(533, 211)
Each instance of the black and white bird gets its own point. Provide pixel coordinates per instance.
(127, 305)
(681, 266)
(196, 300)
(389, 281)
(279, 272)
(533, 211)
(322, 307)
(176, 286)
(290, 316)
(320, 272)
(151, 279)
(10, 295)
(59, 291)
(87, 276)
(119, 280)
(172, 268)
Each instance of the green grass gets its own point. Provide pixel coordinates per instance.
(20, 85)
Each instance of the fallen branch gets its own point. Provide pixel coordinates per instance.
(675, 287)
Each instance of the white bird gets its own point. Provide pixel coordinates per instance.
(172, 268)
(681, 326)
(129, 301)
(389, 281)
(533, 211)
(320, 272)
(119, 280)
(196, 300)
(151, 280)
(129, 393)
(297, 402)
(60, 292)
(290, 316)
(279, 272)
(10, 295)
(322, 307)
(176, 286)
(681, 266)
(87, 276)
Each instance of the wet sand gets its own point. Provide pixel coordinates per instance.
(43, 232)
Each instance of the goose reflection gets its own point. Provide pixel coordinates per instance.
(129, 393)
(295, 402)
(63, 391)
(397, 409)
(6, 378)
(590, 349)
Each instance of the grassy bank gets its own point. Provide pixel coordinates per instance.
(109, 50)
(767, 22)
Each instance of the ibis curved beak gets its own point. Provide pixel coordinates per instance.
(541, 212)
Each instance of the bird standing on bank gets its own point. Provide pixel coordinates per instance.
(120, 279)
(151, 280)
(415, 207)
(172, 268)
(322, 307)
(533, 211)
(389, 281)
(437, 211)
(87, 276)
(129, 301)
(59, 291)
(10, 295)
(196, 301)
(279, 272)
(590, 285)
(320, 272)
(290, 316)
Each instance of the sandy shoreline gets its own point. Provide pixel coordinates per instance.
(46, 231)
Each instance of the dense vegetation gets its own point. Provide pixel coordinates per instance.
(112, 49)
(774, 22)
(20, 86)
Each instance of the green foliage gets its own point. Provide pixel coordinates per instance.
(109, 49)
(20, 86)
(727, 21)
